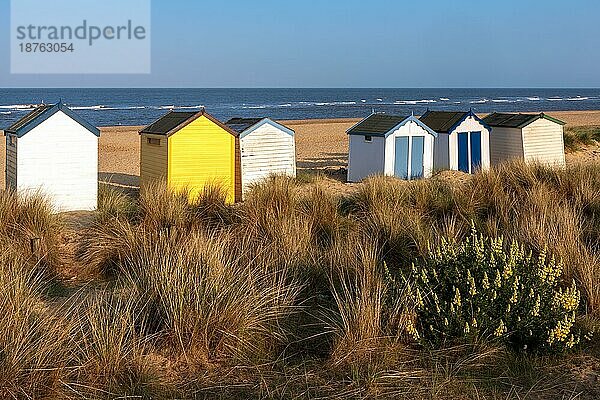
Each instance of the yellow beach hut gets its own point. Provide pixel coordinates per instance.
(191, 150)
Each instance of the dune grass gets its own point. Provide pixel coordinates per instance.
(34, 348)
(577, 136)
(288, 294)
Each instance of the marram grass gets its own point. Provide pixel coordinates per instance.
(302, 291)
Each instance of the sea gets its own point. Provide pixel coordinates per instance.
(112, 107)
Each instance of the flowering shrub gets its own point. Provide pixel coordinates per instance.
(482, 288)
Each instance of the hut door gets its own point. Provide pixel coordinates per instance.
(409, 157)
(469, 152)
(416, 157)
(463, 152)
(475, 151)
(401, 161)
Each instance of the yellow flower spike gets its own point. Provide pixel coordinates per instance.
(472, 286)
(498, 279)
(419, 299)
(485, 283)
(457, 299)
(507, 272)
(571, 342)
(500, 330)
(535, 312)
(515, 295)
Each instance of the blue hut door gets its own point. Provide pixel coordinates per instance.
(401, 159)
(475, 151)
(463, 152)
(416, 157)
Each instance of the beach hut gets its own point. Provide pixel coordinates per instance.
(392, 145)
(529, 137)
(267, 148)
(191, 150)
(52, 150)
(463, 143)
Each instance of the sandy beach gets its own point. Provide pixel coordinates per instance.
(320, 145)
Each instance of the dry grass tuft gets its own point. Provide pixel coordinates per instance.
(29, 227)
(34, 345)
(206, 304)
(285, 295)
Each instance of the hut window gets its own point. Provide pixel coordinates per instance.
(154, 141)
(368, 139)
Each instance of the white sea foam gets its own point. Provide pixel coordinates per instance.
(554, 99)
(336, 103)
(20, 107)
(116, 108)
(444, 99)
(106, 108)
(533, 98)
(578, 98)
(413, 102)
(188, 107)
(379, 99)
(482, 101)
(87, 107)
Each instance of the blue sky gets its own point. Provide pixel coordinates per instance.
(356, 43)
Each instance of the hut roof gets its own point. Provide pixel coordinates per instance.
(245, 126)
(241, 124)
(509, 120)
(446, 121)
(168, 122)
(382, 124)
(442, 121)
(174, 121)
(41, 114)
(377, 124)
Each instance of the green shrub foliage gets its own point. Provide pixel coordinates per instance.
(482, 289)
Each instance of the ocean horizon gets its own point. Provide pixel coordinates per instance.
(140, 106)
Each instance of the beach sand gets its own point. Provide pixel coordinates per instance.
(320, 145)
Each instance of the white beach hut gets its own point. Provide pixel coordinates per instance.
(392, 145)
(529, 137)
(267, 148)
(463, 143)
(54, 151)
